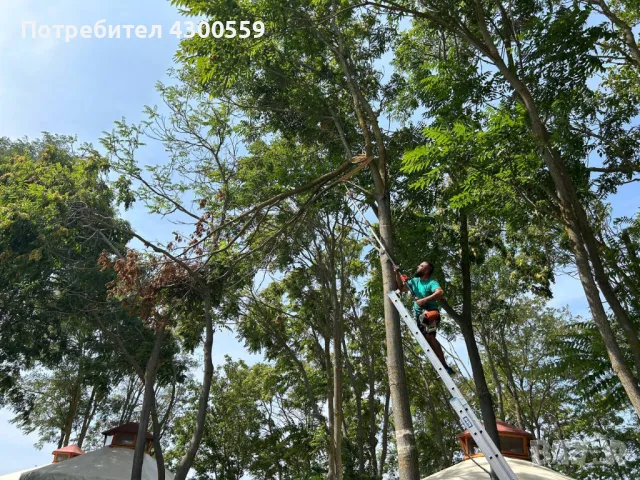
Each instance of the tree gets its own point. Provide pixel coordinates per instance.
(470, 214)
(234, 424)
(320, 261)
(43, 257)
(193, 281)
(256, 426)
(501, 37)
(314, 80)
(48, 267)
(50, 252)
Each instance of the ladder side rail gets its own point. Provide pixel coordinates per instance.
(485, 444)
(462, 408)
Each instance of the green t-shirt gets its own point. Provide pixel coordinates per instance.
(424, 288)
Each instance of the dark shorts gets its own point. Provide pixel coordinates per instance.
(433, 316)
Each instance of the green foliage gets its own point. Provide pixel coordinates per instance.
(253, 427)
(48, 254)
(247, 119)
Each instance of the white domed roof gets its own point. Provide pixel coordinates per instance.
(470, 470)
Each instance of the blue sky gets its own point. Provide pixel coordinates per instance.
(80, 88)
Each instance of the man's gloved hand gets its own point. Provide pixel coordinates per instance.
(403, 277)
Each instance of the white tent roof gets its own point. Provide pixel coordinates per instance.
(113, 463)
(468, 470)
(16, 475)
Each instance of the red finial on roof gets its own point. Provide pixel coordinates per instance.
(74, 450)
(65, 453)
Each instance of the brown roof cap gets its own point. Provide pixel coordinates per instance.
(504, 427)
(131, 427)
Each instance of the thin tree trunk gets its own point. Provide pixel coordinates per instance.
(157, 446)
(125, 404)
(466, 327)
(585, 249)
(331, 425)
(369, 357)
(337, 374)
(621, 314)
(494, 370)
(331, 448)
(187, 460)
(405, 439)
(134, 404)
(511, 383)
(172, 402)
(73, 410)
(148, 400)
(385, 433)
(372, 414)
(618, 363)
(357, 395)
(88, 416)
(576, 223)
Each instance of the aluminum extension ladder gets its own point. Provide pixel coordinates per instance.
(462, 408)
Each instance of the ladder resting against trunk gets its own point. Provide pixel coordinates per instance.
(462, 408)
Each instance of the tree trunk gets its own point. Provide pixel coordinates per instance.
(618, 363)
(621, 314)
(327, 277)
(337, 375)
(88, 416)
(466, 327)
(132, 405)
(331, 447)
(583, 241)
(127, 400)
(511, 383)
(148, 400)
(408, 468)
(574, 219)
(494, 371)
(157, 446)
(73, 410)
(172, 401)
(372, 414)
(187, 460)
(385, 433)
(405, 439)
(358, 398)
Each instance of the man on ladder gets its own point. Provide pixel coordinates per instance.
(427, 292)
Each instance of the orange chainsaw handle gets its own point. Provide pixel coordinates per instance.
(405, 280)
